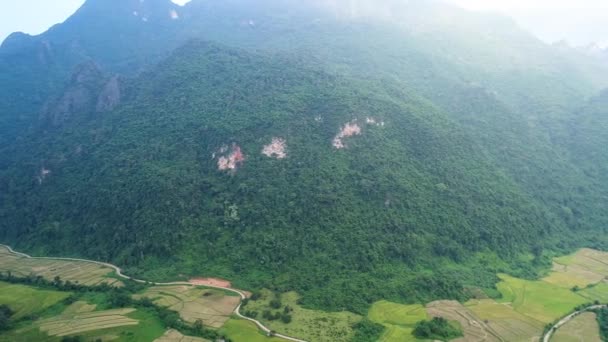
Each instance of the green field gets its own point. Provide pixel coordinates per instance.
(311, 325)
(398, 320)
(596, 292)
(26, 300)
(584, 327)
(212, 306)
(244, 331)
(540, 300)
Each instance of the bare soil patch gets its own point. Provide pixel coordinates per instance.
(211, 282)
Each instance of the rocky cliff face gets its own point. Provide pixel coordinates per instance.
(89, 91)
(110, 96)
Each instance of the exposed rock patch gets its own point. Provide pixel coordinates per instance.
(232, 160)
(44, 172)
(373, 121)
(276, 149)
(349, 130)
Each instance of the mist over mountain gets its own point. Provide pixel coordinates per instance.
(402, 150)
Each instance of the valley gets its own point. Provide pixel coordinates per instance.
(520, 313)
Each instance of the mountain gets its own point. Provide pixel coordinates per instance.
(398, 150)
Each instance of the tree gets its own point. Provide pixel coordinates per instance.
(4, 322)
(5, 316)
(71, 339)
(286, 318)
(276, 303)
(198, 325)
(437, 329)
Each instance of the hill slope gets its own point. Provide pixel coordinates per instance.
(348, 156)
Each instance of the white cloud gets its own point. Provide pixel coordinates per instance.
(531, 5)
(580, 22)
(180, 2)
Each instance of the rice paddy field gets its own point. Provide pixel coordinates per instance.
(175, 336)
(474, 329)
(78, 322)
(519, 315)
(213, 307)
(583, 328)
(539, 300)
(505, 323)
(82, 319)
(522, 312)
(310, 325)
(80, 272)
(398, 320)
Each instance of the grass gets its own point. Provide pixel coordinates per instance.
(596, 292)
(211, 306)
(398, 320)
(239, 330)
(395, 333)
(311, 325)
(539, 300)
(582, 328)
(26, 300)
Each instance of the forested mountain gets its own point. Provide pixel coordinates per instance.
(405, 150)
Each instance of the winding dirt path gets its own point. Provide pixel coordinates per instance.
(118, 271)
(567, 319)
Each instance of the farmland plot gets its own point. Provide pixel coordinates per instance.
(398, 320)
(474, 328)
(74, 323)
(506, 323)
(582, 328)
(81, 272)
(175, 336)
(213, 307)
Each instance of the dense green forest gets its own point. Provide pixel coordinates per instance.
(415, 160)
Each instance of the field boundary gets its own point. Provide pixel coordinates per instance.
(119, 273)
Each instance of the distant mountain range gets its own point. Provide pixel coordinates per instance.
(408, 151)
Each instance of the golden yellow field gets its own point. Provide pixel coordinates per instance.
(175, 336)
(80, 318)
(213, 307)
(583, 328)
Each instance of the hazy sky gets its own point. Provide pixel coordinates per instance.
(579, 21)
